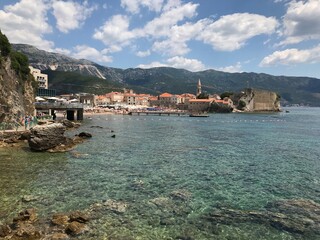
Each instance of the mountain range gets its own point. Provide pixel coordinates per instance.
(69, 75)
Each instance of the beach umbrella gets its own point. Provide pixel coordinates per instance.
(40, 99)
(53, 98)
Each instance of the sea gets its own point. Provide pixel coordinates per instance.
(170, 173)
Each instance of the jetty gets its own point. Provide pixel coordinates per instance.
(70, 108)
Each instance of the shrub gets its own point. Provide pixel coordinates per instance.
(242, 104)
(5, 47)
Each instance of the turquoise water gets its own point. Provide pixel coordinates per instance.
(238, 161)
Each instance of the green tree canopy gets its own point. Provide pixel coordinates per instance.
(203, 96)
(5, 46)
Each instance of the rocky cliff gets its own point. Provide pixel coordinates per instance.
(17, 86)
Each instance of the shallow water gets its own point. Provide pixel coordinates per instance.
(238, 161)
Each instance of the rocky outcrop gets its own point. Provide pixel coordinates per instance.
(50, 137)
(13, 138)
(44, 137)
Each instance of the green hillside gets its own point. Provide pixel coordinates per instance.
(72, 82)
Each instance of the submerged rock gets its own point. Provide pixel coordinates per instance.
(115, 206)
(60, 219)
(59, 236)
(76, 228)
(85, 135)
(26, 226)
(182, 195)
(78, 216)
(295, 216)
(5, 230)
(29, 198)
(26, 215)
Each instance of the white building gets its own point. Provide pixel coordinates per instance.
(41, 78)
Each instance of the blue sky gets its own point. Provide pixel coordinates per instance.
(279, 37)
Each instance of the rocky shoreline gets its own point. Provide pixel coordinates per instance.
(47, 136)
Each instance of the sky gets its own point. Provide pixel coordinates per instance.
(278, 37)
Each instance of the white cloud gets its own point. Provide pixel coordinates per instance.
(62, 51)
(176, 43)
(86, 52)
(160, 26)
(292, 56)
(192, 65)
(70, 15)
(233, 68)
(143, 53)
(171, 47)
(115, 31)
(26, 22)
(186, 63)
(301, 21)
(133, 6)
(231, 32)
(152, 65)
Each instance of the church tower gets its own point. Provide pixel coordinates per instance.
(199, 88)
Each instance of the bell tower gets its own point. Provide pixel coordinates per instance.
(199, 88)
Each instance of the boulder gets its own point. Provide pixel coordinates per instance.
(115, 206)
(85, 135)
(44, 137)
(27, 231)
(26, 215)
(79, 217)
(24, 135)
(67, 123)
(59, 236)
(5, 230)
(60, 219)
(76, 228)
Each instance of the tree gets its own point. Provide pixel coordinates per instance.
(226, 94)
(242, 104)
(20, 63)
(5, 47)
(203, 96)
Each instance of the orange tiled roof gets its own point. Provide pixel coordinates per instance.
(163, 95)
(153, 98)
(200, 100)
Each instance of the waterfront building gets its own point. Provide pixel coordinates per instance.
(41, 78)
(199, 105)
(88, 100)
(115, 97)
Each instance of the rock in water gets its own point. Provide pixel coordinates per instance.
(85, 135)
(44, 137)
